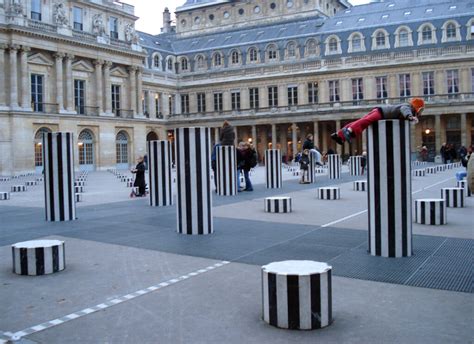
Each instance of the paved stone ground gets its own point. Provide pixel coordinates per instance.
(131, 278)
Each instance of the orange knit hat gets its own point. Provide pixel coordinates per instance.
(418, 104)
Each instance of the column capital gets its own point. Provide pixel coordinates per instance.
(59, 56)
(98, 62)
(70, 56)
(107, 64)
(3, 46)
(25, 49)
(132, 69)
(139, 70)
(13, 47)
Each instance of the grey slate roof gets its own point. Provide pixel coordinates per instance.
(192, 4)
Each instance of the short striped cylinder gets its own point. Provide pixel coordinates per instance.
(463, 184)
(226, 170)
(18, 188)
(454, 197)
(273, 168)
(449, 166)
(58, 163)
(124, 179)
(431, 170)
(129, 184)
(440, 168)
(419, 173)
(38, 257)
(296, 173)
(79, 183)
(418, 163)
(159, 173)
(39, 179)
(4, 179)
(4, 196)
(334, 162)
(311, 178)
(79, 189)
(355, 165)
(329, 192)
(31, 183)
(389, 189)
(360, 185)
(277, 204)
(297, 294)
(78, 197)
(430, 211)
(320, 170)
(194, 199)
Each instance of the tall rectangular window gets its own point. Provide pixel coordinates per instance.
(184, 103)
(77, 14)
(113, 27)
(472, 79)
(116, 99)
(357, 91)
(145, 109)
(333, 90)
(452, 79)
(313, 93)
(292, 95)
(171, 104)
(79, 96)
(253, 98)
(218, 102)
(273, 96)
(37, 92)
(201, 102)
(235, 100)
(35, 13)
(404, 85)
(428, 83)
(157, 104)
(381, 85)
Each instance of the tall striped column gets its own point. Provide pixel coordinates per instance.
(389, 188)
(334, 161)
(226, 170)
(312, 168)
(355, 167)
(159, 173)
(193, 166)
(273, 168)
(58, 165)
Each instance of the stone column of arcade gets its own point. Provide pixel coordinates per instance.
(273, 168)
(159, 173)
(389, 189)
(193, 183)
(58, 155)
(226, 170)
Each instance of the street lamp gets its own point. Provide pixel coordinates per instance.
(427, 131)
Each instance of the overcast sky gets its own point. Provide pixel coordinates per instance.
(151, 12)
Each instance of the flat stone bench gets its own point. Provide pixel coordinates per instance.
(454, 197)
(430, 211)
(38, 257)
(297, 294)
(329, 193)
(360, 185)
(463, 184)
(18, 188)
(419, 173)
(31, 183)
(4, 196)
(277, 204)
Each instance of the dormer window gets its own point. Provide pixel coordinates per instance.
(235, 57)
(291, 50)
(156, 62)
(380, 40)
(451, 31)
(169, 65)
(427, 34)
(272, 53)
(356, 43)
(113, 27)
(333, 45)
(453, 7)
(184, 63)
(200, 62)
(253, 57)
(403, 37)
(217, 60)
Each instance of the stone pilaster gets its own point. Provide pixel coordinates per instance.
(3, 100)
(165, 104)
(151, 104)
(274, 137)
(139, 78)
(69, 84)
(463, 130)
(316, 134)
(132, 71)
(107, 88)
(437, 133)
(338, 147)
(13, 52)
(177, 104)
(294, 140)
(25, 89)
(99, 87)
(59, 81)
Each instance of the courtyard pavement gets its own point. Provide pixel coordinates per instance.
(130, 278)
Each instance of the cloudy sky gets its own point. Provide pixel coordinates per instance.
(151, 12)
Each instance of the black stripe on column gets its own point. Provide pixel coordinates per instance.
(433, 213)
(369, 182)
(200, 195)
(55, 250)
(168, 171)
(441, 212)
(13, 259)
(272, 169)
(187, 181)
(39, 255)
(177, 145)
(277, 205)
(24, 261)
(391, 180)
(405, 167)
(285, 206)
(50, 177)
(272, 299)
(70, 175)
(315, 301)
(292, 289)
(329, 296)
(60, 185)
(376, 181)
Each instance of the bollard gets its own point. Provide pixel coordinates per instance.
(355, 165)
(273, 168)
(334, 161)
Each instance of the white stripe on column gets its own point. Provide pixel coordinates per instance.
(324, 299)
(397, 190)
(48, 262)
(282, 300)
(304, 283)
(265, 297)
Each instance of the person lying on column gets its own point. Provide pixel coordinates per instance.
(304, 167)
(408, 111)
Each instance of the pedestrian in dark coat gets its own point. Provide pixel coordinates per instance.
(227, 136)
(139, 170)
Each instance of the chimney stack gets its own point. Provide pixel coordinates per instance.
(166, 21)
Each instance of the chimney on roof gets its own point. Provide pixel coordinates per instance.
(166, 21)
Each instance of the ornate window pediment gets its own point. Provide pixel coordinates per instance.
(119, 72)
(40, 59)
(83, 66)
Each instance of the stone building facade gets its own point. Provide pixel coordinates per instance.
(276, 70)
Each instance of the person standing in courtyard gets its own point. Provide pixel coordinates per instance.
(227, 135)
(363, 162)
(249, 159)
(139, 172)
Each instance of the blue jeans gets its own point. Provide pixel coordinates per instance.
(248, 183)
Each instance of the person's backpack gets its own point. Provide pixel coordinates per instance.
(253, 159)
(298, 157)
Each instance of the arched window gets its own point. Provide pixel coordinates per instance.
(151, 136)
(403, 38)
(311, 47)
(271, 53)
(38, 148)
(184, 63)
(291, 50)
(333, 45)
(450, 31)
(121, 149)
(86, 150)
(200, 62)
(380, 40)
(235, 57)
(169, 64)
(253, 57)
(427, 34)
(356, 43)
(217, 60)
(156, 62)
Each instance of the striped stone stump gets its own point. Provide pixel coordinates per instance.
(430, 211)
(440, 168)
(31, 183)
(18, 188)
(79, 183)
(78, 197)
(58, 162)
(193, 183)
(454, 197)
(277, 204)
(334, 162)
(273, 168)
(226, 170)
(360, 185)
(463, 184)
(297, 294)
(4, 179)
(78, 189)
(311, 176)
(38, 257)
(389, 189)
(419, 173)
(431, 170)
(39, 179)
(355, 165)
(320, 170)
(159, 173)
(296, 173)
(329, 193)
(129, 184)
(449, 166)
(4, 196)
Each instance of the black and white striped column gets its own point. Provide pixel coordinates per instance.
(18, 188)
(463, 184)
(193, 166)
(389, 186)
(454, 197)
(355, 165)
(58, 164)
(329, 193)
(360, 185)
(419, 173)
(159, 173)
(38, 257)
(431, 170)
(430, 211)
(440, 168)
(297, 294)
(273, 168)
(4, 196)
(334, 162)
(226, 170)
(277, 204)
